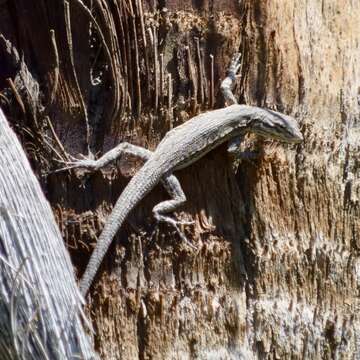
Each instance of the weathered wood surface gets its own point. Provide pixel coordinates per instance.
(40, 306)
(294, 216)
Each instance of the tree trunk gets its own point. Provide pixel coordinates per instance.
(40, 306)
(276, 273)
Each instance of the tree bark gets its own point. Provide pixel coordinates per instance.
(277, 270)
(40, 305)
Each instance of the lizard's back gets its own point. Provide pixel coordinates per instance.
(190, 141)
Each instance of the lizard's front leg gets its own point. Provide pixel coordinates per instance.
(229, 82)
(170, 182)
(112, 155)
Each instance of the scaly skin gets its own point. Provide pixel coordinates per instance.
(181, 147)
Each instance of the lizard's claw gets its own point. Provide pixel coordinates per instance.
(188, 223)
(174, 224)
(184, 238)
(171, 221)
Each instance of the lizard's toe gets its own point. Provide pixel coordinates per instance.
(174, 223)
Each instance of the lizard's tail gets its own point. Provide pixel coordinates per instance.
(138, 187)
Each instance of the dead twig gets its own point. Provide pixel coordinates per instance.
(82, 103)
(212, 102)
(146, 56)
(170, 109)
(161, 79)
(17, 95)
(2, 96)
(56, 138)
(192, 79)
(156, 68)
(201, 79)
(137, 65)
(56, 67)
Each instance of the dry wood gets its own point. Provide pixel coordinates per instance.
(80, 96)
(17, 95)
(193, 82)
(126, 20)
(145, 48)
(170, 108)
(40, 306)
(161, 79)
(116, 79)
(137, 62)
(212, 101)
(56, 67)
(200, 72)
(156, 67)
(294, 214)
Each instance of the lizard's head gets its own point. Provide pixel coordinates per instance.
(272, 124)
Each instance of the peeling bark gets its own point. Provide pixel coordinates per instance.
(292, 215)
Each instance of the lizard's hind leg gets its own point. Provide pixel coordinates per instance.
(173, 187)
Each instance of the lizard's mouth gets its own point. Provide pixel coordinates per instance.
(299, 137)
(291, 139)
(296, 138)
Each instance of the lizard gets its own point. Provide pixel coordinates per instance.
(182, 146)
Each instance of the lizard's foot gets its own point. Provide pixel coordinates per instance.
(171, 221)
(83, 163)
(174, 224)
(184, 238)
